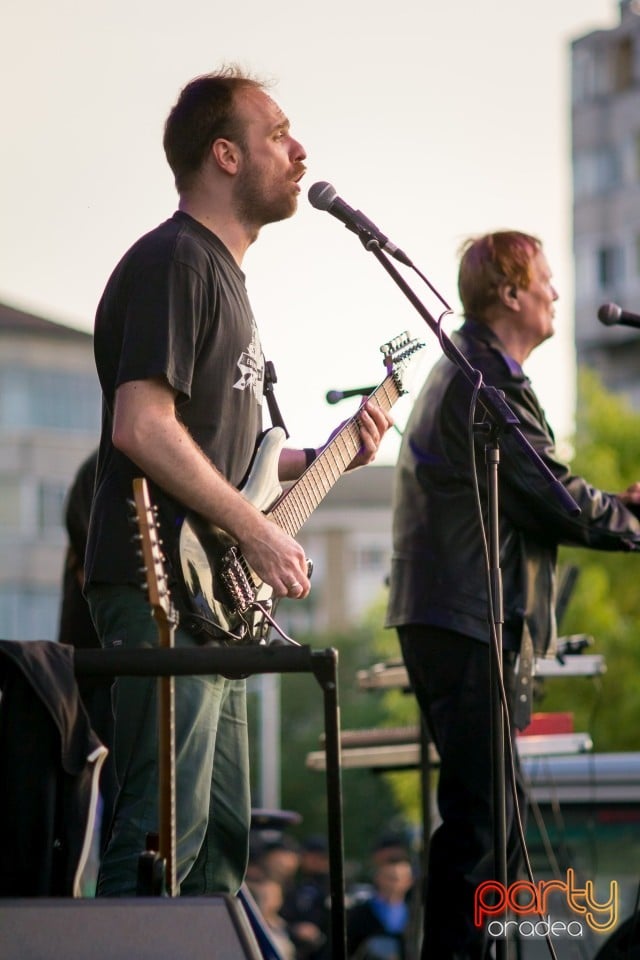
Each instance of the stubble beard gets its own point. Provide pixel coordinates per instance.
(256, 206)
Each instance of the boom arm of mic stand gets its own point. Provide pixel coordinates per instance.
(491, 399)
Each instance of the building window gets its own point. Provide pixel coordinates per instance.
(28, 612)
(371, 559)
(51, 501)
(622, 60)
(590, 74)
(636, 259)
(636, 156)
(48, 399)
(630, 158)
(610, 266)
(595, 171)
(583, 71)
(10, 504)
(585, 279)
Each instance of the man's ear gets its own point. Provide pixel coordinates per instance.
(226, 155)
(508, 293)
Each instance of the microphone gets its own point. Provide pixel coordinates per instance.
(611, 314)
(335, 396)
(322, 196)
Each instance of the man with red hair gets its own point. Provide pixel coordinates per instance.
(438, 591)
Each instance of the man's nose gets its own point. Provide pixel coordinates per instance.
(298, 152)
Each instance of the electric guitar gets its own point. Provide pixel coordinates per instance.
(223, 591)
(166, 620)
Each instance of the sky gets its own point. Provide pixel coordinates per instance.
(438, 120)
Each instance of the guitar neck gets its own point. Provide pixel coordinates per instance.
(165, 617)
(297, 504)
(165, 626)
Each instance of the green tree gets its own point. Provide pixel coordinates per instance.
(369, 804)
(606, 601)
(398, 708)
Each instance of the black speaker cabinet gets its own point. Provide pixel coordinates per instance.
(141, 928)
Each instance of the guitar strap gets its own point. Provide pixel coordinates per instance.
(270, 379)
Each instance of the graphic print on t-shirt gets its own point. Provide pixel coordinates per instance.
(251, 366)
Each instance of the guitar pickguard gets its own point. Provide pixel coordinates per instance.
(221, 585)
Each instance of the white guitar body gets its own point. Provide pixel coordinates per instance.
(220, 583)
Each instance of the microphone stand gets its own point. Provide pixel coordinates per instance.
(503, 419)
(492, 456)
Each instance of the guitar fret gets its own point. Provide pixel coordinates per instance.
(290, 515)
(389, 392)
(312, 495)
(283, 515)
(306, 501)
(296, 513)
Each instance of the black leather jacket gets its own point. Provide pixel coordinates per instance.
(438, 571)
(50, 761)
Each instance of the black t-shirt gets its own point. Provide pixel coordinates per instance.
(175, 307)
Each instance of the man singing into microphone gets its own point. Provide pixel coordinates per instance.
(438, 592)
(183, 375)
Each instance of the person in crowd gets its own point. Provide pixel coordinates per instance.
(280, 859)
(385, 915)
(306, 906)
(390, 846)
(439, 600)
(268, 894)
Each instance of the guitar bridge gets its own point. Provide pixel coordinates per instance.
(237, 580)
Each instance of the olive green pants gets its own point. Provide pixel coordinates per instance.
(213, 804)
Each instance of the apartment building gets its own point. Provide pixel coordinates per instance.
(49, 422)
(605, 123)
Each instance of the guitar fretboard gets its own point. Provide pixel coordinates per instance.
(298, 503)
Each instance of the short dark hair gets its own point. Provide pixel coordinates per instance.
(204, 111)
(491, 260)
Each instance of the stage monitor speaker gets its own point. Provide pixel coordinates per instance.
(140, 928)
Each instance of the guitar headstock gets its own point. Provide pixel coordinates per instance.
(155, 576)
(397, 353)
